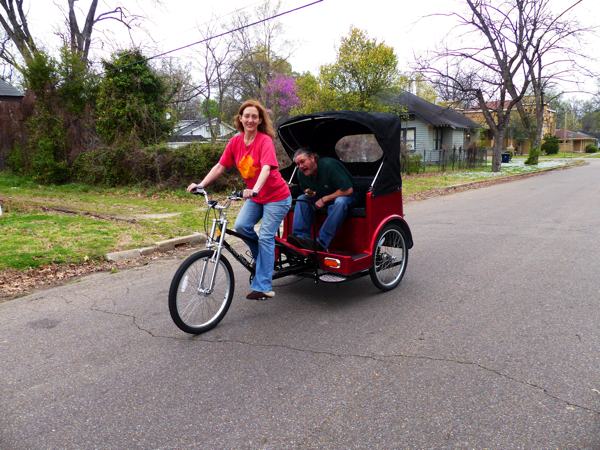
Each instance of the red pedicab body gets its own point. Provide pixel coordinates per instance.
(369, 145)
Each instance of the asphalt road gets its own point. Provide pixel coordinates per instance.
(491, 340)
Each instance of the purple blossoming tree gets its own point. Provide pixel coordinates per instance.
(281, 96)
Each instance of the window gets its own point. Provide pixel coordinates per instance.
(358, 148)
(437, 138)
(409, 138)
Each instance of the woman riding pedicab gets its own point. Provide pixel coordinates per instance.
(267, 196)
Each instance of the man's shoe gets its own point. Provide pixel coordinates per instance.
(257, 295)
(305, 243)
(292, 239)
(319, 247)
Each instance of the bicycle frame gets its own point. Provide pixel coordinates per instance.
(216, 241)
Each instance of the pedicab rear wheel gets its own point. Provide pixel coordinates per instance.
(390, 256)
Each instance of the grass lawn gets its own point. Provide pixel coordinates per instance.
(35, 239)
(569, 155)
(414, 184)
(75, 223)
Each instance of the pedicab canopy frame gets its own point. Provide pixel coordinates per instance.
(321, 131)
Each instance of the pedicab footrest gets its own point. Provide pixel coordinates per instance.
(331, 278)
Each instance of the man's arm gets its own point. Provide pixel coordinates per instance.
(323, 201)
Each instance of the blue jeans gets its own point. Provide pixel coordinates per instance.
(304, 216)
(262, 246)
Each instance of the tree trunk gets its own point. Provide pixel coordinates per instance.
(14, 23)
(539, 120)
(498, 147)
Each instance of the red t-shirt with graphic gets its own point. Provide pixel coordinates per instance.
(249, 160)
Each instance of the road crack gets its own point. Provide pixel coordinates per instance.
(372, 357)
(392, 357)
(130, 316)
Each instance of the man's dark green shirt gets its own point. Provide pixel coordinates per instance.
(331, 176)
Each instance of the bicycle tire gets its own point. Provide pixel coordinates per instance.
(193, 311)
(390, 257)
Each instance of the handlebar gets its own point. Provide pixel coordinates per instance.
(236, 195)
(198, 191)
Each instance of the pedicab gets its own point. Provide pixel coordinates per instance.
(374, 240)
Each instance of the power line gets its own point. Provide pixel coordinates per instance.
(217, 18)
(234, 30)
(218, 35)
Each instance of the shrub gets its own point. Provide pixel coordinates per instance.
(63, 91)
(15, 160)
(550, 146)
(411, 163)
(45, 166)
(153, 165)
(533, 157)
(132, 102)
(102, 165)
(591, 148)
(46, 158)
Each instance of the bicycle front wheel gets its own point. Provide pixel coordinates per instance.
(197, 305)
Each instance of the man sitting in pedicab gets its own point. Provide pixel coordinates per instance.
(327, 185)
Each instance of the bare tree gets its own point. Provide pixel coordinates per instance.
(178, 80)
(259, 55)
(551, 55)
(13, 19)
(217, 71)
(80, 39)
(14, 22)
(491, 73)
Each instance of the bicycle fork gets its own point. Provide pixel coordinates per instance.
(218, 226)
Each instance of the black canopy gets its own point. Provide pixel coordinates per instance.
(321, 131)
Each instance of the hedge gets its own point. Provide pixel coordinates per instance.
(155, 165)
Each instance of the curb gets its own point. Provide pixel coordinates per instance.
(161, 246)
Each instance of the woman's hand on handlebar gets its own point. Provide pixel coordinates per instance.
(192, 187)
(248, 193)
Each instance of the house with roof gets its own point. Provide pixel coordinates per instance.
(515, 137)
(9, 93)
(11, 119)
(574, 141)
(199, 130)
(432, 130)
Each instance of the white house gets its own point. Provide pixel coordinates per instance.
(188, 131)
(432, 130)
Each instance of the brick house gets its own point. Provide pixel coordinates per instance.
(574, 141)
(520, 143)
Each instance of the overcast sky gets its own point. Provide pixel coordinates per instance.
(314, 32)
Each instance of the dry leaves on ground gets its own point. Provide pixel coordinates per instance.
(16, 283)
